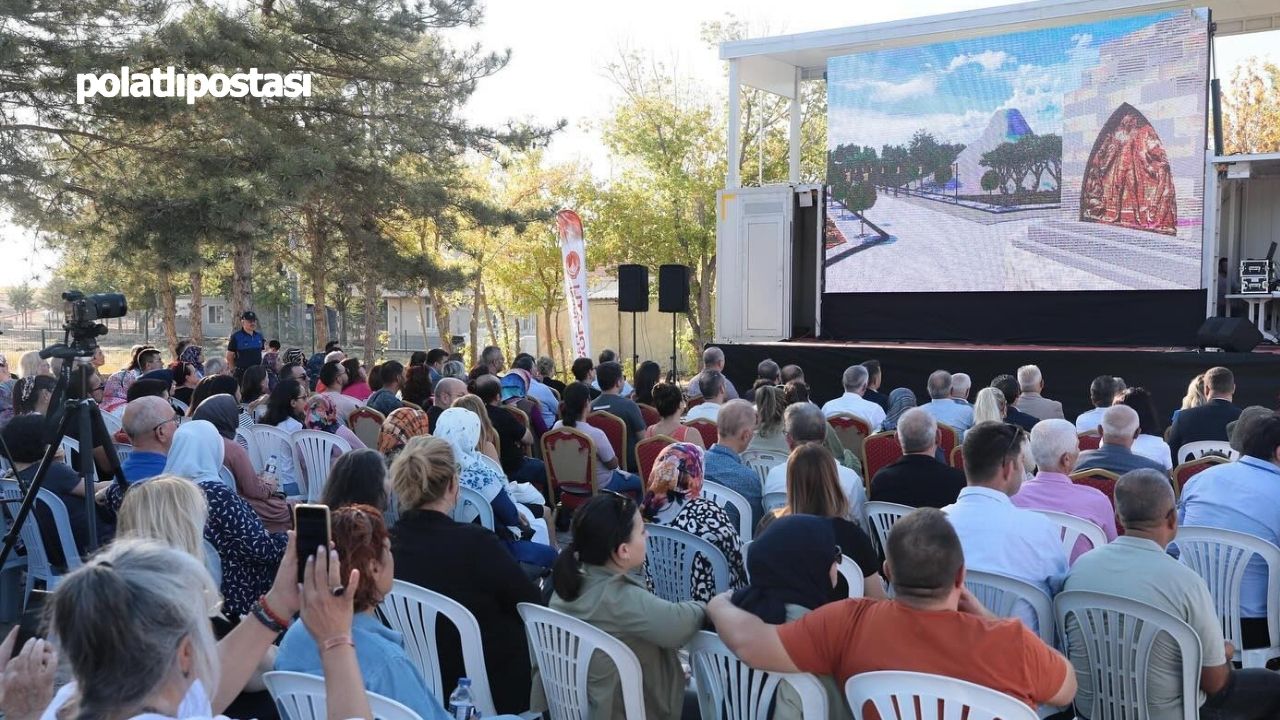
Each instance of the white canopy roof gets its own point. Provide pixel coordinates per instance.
(769, 63)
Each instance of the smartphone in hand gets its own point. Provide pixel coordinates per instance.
(311, 523)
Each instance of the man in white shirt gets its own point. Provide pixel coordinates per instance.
(944, 409)
(1102, 392)
(713, 361)
(804, 423)
(711, 385)
(960, 385)
(855, 384)
(608, 355)
(997, 536)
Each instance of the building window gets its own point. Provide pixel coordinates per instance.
(216, 314)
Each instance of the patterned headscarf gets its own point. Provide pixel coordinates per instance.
(321, 414)
(461, 428)
(401, 425)
(900, 401)
(677, 473)
(115, 391)
(193, 355)
(294, 355)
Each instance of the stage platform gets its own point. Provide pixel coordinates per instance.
(1068, 370)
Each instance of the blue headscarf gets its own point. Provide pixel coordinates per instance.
(789, 564)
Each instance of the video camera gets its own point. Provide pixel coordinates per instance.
(81, 324)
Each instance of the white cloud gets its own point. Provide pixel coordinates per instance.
(865, 126)
(990, 60)
(888, 91)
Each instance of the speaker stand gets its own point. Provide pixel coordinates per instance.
(635, 351)
(673, 377)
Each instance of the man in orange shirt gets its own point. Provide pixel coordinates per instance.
(933, 625)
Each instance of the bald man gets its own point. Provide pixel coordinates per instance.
(446, 391)
(1119, 428)
(735, 425)
(150, 424)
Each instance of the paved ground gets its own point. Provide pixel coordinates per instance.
(934, 251)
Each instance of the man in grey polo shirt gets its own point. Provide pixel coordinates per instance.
(1136, 566)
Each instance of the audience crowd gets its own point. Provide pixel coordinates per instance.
(507, 484)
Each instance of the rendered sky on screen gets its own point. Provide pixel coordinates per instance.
(953, 88)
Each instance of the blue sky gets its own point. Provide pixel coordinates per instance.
(953, 88)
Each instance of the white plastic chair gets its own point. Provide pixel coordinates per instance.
(213, 562)
(227, 477)
(894, 693)
(852, 575)
(1118, 635)
(11, 574)
(729, 689)
(123, 452)
(70, 445)
(300, 696)
(314, 456)
(39, 567)
(249, 442)
(881, 516)
(762, 461)
(726, 496)
(1200, 448)
(1073, 528)
(774, 500)
(413, 612)
(113, 423)
(671, 554)
(471, 504)
(1219, 557)
(1002, 595)
(179, 405)
(562, 647)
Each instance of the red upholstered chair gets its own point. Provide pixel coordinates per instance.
(615, 429)
(956, 459)
(1187, 470)
(878, 450)
(571, 465)
(1103, 480)
(948, 439)
(1089, 441)
(851, 429)
(650, 415)
(647, 451)
(707, 429)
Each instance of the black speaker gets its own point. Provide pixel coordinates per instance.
(673, 288)
(633, 288)
(1234, 334)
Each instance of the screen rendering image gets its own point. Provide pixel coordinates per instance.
(1066, 158)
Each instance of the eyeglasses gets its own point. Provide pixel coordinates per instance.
(1017, 433)
(162, 423)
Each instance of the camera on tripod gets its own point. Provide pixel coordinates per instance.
(81, 324)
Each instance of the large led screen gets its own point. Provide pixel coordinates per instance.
(1066, 158)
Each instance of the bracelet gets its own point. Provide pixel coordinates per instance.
(338, 641)
(265, 618)
(279, 620)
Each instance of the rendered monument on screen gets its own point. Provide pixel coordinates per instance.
(1060, 159)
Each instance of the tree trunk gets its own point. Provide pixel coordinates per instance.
(241, 277)
(488, 316)
(564, 355)
(444, 320)
(315, 246)
(475, 323)
(197, 308)
(169, 305)
(370, 293)
(550, 339)
(341, 303)
(422, 317)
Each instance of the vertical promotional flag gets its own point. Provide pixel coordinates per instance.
(573, 254)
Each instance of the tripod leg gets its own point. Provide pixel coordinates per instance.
(88, 471)
(29, 497)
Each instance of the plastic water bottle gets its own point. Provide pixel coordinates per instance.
(461, 706)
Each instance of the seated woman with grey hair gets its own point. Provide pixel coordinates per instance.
(156, 657)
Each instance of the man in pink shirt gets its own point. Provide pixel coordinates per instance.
(1055, 447)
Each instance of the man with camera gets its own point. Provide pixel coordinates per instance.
(245, 346)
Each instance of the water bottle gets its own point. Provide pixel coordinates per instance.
(461, 706)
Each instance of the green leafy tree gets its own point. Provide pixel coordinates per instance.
(990, 181)
(23, 299)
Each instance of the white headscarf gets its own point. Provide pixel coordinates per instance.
(461, 429)
(196, 453)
